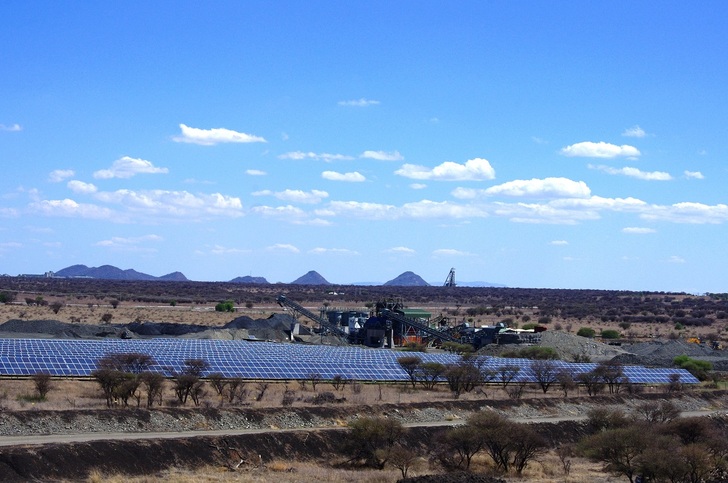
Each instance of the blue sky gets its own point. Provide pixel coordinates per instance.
(533, 144)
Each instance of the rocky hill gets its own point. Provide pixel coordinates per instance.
(249, 279)
(407, 279)
(110, 272)
(311, 278)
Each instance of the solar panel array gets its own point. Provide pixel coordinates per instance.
(260, 360)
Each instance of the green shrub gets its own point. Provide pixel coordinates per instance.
(696, 367)
(610, 334)
(227, 306)
(586, 332)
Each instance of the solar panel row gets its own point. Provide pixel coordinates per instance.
(261, 360)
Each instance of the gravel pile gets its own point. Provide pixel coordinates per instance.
(662, 353)
(570, 345)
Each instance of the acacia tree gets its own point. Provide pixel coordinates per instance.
(410, 365)
(372, 439)
(42, 383)
(545, 372)
(188, 383)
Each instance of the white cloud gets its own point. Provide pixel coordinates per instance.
(178, 204)
(127, 167)
(287, 213)
(694, 175)
(400, 251)
(687, 212)
(542, 188)
(537, 213)
(222, 250)
(8, 213)
(283, 247)
(357, 209)
(58, 175)
(354, 177)
(382, 155)
(418, 186)
(11, 128)
(636, 230)
(359, 103)
(634, 173)
(538, 140)
(675, 259)
(450, 252)
(210, 137)
(131, 244)
(477, 169)
(68, 208)
(328, 157)
(558, 242)
(255, 172)
(337, 251)
(599, 150)
(424, 209)
(634, 132)
(81, 188)
(296, 196)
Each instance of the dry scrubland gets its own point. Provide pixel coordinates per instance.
(632, 315)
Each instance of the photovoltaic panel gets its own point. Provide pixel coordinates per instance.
(265, 360)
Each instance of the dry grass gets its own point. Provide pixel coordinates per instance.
(280, 472)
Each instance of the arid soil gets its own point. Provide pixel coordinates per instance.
(322, 440)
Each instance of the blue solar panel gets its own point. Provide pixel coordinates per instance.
(263, 360)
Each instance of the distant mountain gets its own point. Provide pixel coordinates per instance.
(174, 277)
(109, 272)
(481, 284)
(311, 278)
(249, 279)
(408, 279)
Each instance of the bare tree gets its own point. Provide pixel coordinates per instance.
(545, 372)
(42, 383)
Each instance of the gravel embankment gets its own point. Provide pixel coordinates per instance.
(26, 423)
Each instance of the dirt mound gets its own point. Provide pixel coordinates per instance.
(59, 330)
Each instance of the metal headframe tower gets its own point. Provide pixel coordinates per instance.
(450, 280)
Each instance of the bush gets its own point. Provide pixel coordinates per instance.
(586, 332)
(696, 367)
(227, 306)
(610, 334)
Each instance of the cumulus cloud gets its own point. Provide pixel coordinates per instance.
(223, 250)
(541, 188)
(178, 204)
(127, 167)
(589, 149)
(327, 157)
(694, 175)
(636, 230)
(354, 177)
(424, 209)
(400, 251)
(687, 212)
(558, 242)
(418, 186)
(296, 196)
(11, 127)
(359, 103)
(675, 259)
(287, 213)
(255, 172)
(210, 137)
(476, 169)
(634, 132)
(68, 208)
(8, 213)
(58, 175)
(634, 173)
(382, 155)
(283, 247)
(537, 213)
(81, 188)
(130, 244)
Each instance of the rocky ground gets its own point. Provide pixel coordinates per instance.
(40, 422)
